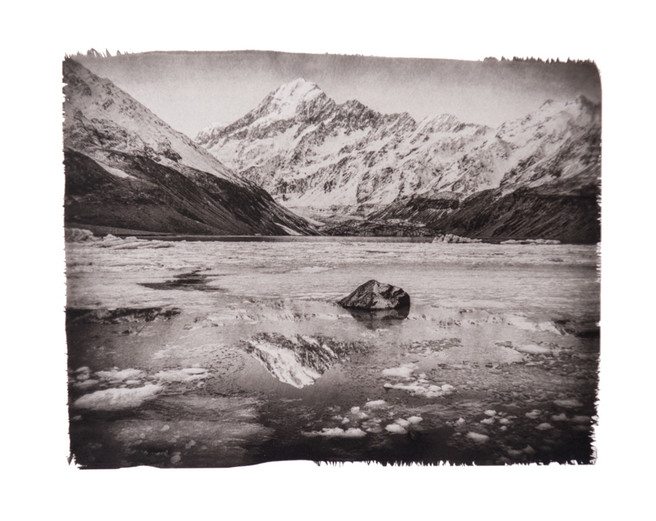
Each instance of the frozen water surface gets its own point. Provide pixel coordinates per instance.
(222, 353)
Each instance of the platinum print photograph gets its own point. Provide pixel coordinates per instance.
(331, 258)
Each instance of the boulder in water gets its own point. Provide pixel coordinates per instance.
(376, 296)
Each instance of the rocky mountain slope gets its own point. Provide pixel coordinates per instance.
(403, 177)
(127, 169)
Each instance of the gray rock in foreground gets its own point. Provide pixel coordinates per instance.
(375, 296)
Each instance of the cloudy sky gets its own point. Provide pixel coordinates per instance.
(193, 90)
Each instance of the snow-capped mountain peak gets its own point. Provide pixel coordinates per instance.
(288, 100)
(295, 91)
(312, 153)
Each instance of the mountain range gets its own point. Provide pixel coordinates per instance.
(301, 163)
(127, 170)
(357, 171)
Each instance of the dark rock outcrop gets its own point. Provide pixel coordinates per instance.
(562, 212)
(376, 296)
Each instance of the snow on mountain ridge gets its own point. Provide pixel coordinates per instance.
(329, 155)
(99, 116)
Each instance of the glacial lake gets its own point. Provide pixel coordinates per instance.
(233, 352)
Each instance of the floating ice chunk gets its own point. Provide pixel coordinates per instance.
(533, 349)
(355, 410)
(395, 428)
(176, 458)
(522, 322)
(544, 427)
(114, 375)
(415, 419)
(85, 384)
(460, 421)
(403, 371)
(421, 389)
(559, 417)
(336, 432)
(345, 420)
(533, 414)
(490, 412)
(477, 437)
(375, 404)
(403, 423)
(488, 421)
(117, 399)
(569, 403)
(504, 421)
(182, 375)
(515, 453)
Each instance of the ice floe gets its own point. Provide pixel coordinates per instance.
(117, 399)
(85, 385)
(534, 349)
(403, 371)
(375, 404)
(569, 403)
(187, 374)
(526, 451)
(336, 432)
(176, 457)
(522, 322)
(402, 422)
(395, 428)
(422, 388)
(116, 375)
(478, 437)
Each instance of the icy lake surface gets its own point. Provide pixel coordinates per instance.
(229, 353)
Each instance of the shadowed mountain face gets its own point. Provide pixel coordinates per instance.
(126, 168)
(404, 177)
(538, 213)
